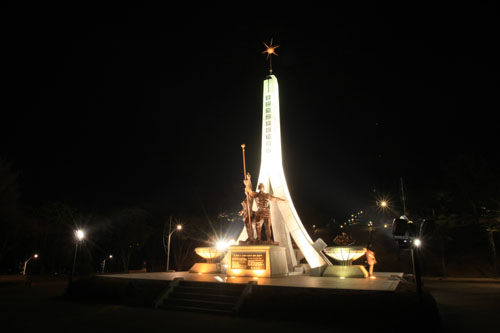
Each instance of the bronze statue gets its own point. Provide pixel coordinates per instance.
(248, 215)
(263, 214)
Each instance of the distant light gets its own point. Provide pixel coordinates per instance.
(110, 256)
(218, 278)
(35, 255)
(342, 277)
(80, 234)
(417, 242)
(179, 227)
(385, 225)
(383, 203)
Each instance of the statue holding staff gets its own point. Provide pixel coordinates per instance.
(246, 213)
(263, 214)
(248, 216)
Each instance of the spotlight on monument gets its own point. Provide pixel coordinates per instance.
(222, 245)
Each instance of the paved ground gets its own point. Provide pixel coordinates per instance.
(382, 282)
(38, 307)
(467, 305)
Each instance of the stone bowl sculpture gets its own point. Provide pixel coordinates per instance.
(345, 255)
(210, 254)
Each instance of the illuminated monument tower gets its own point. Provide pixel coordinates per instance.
(284, 217)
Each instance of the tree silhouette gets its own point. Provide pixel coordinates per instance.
(9, 209)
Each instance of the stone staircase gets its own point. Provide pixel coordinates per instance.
(222, 298)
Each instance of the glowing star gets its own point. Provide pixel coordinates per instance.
(270, 50)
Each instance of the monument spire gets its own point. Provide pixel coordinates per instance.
(286, 223)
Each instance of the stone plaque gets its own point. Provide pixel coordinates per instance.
(248, 260)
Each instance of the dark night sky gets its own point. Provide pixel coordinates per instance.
(142, 106)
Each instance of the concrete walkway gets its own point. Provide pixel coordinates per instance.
(382, 282)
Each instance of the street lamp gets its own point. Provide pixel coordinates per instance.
(177, 228)
(80, 235)
(26, 262)
(370, 229)
(104, 262)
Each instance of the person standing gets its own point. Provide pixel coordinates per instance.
(370, 259)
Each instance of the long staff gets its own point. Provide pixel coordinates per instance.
(248, 200)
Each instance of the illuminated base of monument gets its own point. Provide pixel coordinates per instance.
(257, 261)
(352, 271)
(206, 268)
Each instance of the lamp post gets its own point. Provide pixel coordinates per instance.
(104, 262)
(80, 235)
(177, 228)
(370, 229)
(416, 266)
(26, 262)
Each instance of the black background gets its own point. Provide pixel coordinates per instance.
(106, 107)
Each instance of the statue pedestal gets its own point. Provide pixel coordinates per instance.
(351, 271)
(257, 261)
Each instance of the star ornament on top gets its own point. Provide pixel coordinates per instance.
(270, 51)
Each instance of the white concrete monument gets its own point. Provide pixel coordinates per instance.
(286, 222)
